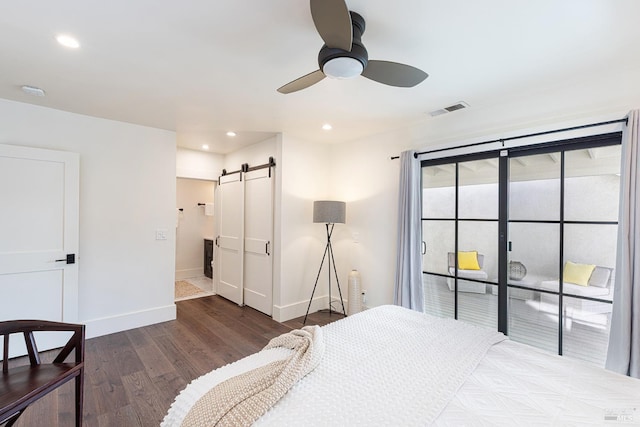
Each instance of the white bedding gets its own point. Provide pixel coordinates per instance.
(520, 385)
(364, 380)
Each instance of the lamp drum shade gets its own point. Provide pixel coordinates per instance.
(329, 211)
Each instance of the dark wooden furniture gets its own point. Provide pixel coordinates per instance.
(20, 386)
(208, 256)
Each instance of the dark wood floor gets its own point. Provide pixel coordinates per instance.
(132, 377)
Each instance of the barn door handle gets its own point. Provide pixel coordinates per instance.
(424, 247)
(266, 247)
(70, 259)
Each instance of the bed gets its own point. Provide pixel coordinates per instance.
(393, 366)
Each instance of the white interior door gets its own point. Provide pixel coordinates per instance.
(230, 237)
(38, 234)
(258, 235)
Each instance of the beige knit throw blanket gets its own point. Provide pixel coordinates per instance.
(241, 400)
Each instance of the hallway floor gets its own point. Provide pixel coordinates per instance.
(203, 284)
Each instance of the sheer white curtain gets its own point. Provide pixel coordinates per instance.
(623, 355)
(408, 285)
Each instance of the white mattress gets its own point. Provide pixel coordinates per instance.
(520, 385)
(362, 380)
(387, 366)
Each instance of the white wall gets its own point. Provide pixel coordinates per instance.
(127, 191)
(363, 175)
(254, 155)
(303, 175)
(198, 164)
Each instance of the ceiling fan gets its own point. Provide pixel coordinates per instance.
(344, 56)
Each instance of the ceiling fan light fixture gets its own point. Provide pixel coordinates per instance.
(342, 68)
(343, 56)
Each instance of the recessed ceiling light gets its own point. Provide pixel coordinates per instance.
(327, 126)
(231, 133)
(205, 147)
(32, 90)
(68, 41)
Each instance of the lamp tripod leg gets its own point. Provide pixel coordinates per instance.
(335, 271)
(326, 249)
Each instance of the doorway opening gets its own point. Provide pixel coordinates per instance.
(194, 238)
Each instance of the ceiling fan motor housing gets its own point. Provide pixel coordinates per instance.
(343, 56)
(358, 51)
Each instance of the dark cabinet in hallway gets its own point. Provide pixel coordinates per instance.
(208, 256)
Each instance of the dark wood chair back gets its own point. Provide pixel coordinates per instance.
(22, 385)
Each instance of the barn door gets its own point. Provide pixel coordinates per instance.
(230, 220)
(258, 240)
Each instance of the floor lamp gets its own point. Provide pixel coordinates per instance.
(330, 213)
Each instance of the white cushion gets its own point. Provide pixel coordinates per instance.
(470, 274)
(600, 277)
(570, 288)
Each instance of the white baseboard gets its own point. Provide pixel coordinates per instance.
(282, 313)
(189, 273)
(123, 322)
(291, 311)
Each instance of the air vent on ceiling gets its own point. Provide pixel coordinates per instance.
(450, 109)
(32, 90)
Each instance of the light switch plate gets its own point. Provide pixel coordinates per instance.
(161, 234)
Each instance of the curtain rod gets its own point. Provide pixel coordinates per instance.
(511, 138)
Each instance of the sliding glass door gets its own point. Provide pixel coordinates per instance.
(541, 224)
(562, 248)
(438, 237)
(534, 248)
(477, 231)
(460, 216)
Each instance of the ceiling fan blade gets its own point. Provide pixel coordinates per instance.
(333, 22)
(303, 82)
(394, 73)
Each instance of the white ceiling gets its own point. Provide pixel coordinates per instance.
(203, 67)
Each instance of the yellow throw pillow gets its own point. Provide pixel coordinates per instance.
(468, 260)
(578, 274)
